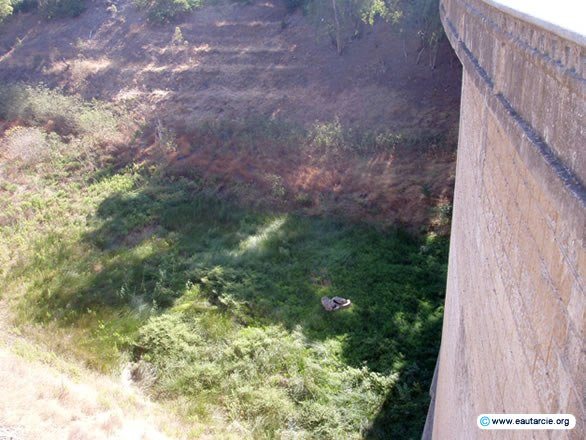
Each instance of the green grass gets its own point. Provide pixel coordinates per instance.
(222, 301)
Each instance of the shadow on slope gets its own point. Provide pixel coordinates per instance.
(165, 260)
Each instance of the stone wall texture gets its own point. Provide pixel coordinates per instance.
(513, 334)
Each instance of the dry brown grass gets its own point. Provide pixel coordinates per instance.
(42, 403)
(45, 397)
(25, 143)
(49, 397)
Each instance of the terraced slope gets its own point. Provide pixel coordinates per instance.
(236, 61)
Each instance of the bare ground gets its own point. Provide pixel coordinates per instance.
(237, 60)
(259, 60)
(44, 397)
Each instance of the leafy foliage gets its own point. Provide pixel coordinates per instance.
(333, 138)
(61, 8)
(67, 114)
(271, 375)
(47, 8)
(24, 5)
(5, 9)
(160, 11)
(389, 11)
(342, 20)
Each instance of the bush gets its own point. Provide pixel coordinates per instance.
(61, 8)
(266, 377)
(64, 114)
(161, 11)
(38, 105)
(328, 136)
(291, 5)
(24, 5)
(25, 143)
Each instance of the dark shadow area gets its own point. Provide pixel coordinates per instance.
(147, 243)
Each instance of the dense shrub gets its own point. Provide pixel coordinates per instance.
(61, 8)
(64, 114)
(160, 11)
(333, 138)
(24, 5)
(47, 8)
(288, 385)
(293, 4)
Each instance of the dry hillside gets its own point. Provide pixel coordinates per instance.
(238, 62)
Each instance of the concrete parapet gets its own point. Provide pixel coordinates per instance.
(513, 335)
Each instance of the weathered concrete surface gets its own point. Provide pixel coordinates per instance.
(513, 335)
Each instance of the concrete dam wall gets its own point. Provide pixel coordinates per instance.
(513, 334)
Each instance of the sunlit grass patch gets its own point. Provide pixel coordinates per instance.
(256, 241)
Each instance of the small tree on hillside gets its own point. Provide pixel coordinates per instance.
(419, 19)
(425, 15)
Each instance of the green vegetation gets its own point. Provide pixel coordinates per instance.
(47, 8)
(159, 11)
(325, 139)
(218, 303)
(24, 5)
(61, 8)
(5, 9)
(342, 20)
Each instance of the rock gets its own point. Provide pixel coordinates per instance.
(335, 303)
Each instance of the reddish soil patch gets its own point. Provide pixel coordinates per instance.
(383, 188)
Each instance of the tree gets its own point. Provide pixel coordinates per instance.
(5, 9)
(390, 11)
(61, 8)
(425, 15)
(338, 28)
(342, 19)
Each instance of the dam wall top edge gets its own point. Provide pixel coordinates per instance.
(561, 17)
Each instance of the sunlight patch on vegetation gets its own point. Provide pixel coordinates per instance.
(257, 241)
